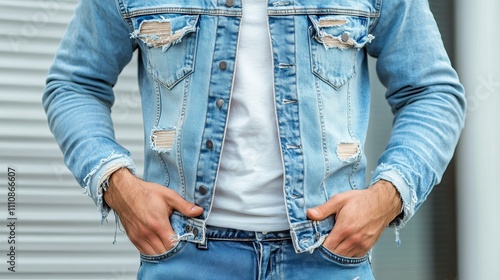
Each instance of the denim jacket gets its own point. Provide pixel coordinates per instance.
(187, 53)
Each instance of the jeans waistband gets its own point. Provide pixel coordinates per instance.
(228, 234)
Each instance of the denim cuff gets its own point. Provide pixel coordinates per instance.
(408, 196)
(97, 180)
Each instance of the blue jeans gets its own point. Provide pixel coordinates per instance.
(235, 254)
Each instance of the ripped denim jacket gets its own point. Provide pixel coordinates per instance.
(321, 87)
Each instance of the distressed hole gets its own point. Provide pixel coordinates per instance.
(330, 41)
(159, 34)
(325, 22)
(156, 27)
(163, 139)
(347, 151)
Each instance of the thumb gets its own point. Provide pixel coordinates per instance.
(180, 204)
(321, 212)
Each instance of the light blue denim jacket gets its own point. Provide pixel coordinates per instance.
(187, 52)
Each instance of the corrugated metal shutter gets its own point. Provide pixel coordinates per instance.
(58, 233)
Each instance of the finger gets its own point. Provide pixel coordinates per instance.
(148, 238)
(146, 241)
(145, 248)
(348, 249)
(342, 246)
(338, 241)
(346, 240)
(157, 243)
(180, 204)
(325, 210)
(334, 240)
(163, 237)
(169, 238)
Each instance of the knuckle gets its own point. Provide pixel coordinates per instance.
(366, 245)
(154, 227)
(356, 240)
(348, 230)
(145, 233)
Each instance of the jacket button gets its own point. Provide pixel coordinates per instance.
(229, 3)
(195, 231)
(345, 37)
(203, 190)
(219, 103)
(222, 65)
(209, 144)
(188, 228)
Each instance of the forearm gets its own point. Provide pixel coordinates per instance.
(426, 97)
(79, 93)
(83, 129)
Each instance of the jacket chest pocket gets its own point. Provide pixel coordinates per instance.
(334, 42)
(169, 41)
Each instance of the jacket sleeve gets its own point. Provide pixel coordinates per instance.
(426, 98)
(79, 94)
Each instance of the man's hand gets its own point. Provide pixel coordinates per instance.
(360, 218)
(144, 209)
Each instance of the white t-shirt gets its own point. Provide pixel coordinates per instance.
(249, 193)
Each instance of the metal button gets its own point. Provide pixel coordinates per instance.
(345, 37)
(209, 144)
(229, 3)
(188, 228)
(195, 231)
(203, 190)
(222, 65)
(219, 103)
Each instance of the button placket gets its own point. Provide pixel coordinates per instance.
(216, 114)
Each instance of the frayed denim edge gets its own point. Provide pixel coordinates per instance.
(408, 207)
(103, 182)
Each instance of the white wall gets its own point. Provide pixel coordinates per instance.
(478, 27)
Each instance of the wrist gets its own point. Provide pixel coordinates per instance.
(118, 181)
(120, 178)
(388, 194)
